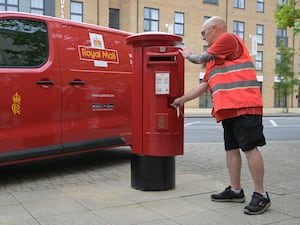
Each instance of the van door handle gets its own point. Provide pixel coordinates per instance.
(77, 82)
(45, 82)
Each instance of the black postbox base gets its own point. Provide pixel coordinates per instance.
(152, 173)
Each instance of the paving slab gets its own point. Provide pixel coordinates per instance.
(95, 189)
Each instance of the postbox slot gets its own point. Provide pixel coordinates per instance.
(162, 58)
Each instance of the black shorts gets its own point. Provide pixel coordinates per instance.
(244, 132)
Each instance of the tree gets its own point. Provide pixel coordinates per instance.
(285, 73)
(287, 16)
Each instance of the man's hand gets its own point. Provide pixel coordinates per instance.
(177, 102)
(185, 51)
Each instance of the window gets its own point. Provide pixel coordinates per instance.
(259, 61)
(205, 100)
(281, 35)
(206, 18)
(278, 59)
(76, 11)
(260, 84)
(151, 19)
(179, 23)
(114, 18)
(298, 94)
(260, 6)
(260, 34)
(239, 28)
(299, 64)
(37, 7)
(239, 4)
(24, 43)
(9, 5)
(211, 1)
(280, 2)
(205, 47)
(279, 99)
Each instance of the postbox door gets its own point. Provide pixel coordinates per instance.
(163, 81)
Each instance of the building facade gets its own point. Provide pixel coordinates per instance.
(252, 20)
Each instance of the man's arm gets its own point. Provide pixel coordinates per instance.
(201, 58)
(192, 94)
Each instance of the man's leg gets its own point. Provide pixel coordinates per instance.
(234, 192)
(256, 167)
(234, 163)
(260, 201)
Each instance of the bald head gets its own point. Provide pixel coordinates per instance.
(215, 21)
(212, 29)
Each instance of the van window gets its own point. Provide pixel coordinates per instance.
(23, 43)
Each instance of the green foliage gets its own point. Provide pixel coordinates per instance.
(288, 16)
(284, 71)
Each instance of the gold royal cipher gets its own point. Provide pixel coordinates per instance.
(16, 105)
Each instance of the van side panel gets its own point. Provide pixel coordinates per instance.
(96, 84)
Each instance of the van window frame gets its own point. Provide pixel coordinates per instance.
(15, 54)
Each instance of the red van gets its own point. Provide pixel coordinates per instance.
(65, 87)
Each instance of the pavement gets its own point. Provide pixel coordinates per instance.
(95, 189)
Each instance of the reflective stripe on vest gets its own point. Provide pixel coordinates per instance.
(235, 85)
(219, 81)
(232, 68)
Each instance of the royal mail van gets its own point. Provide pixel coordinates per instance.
(65, 87)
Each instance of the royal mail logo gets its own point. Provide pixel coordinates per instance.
(92, 54)
(97, 52)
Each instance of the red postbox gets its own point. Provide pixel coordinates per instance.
(157, 135)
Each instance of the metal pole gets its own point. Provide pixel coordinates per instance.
(226, 16)
(137, 16)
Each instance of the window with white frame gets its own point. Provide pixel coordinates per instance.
(9, 5)
(76, 11)
(260, 34)
(259, 61)
(239, 4)
(239, 28)
(260, 6)
(179, 23)
(37, 6)
(151, 19)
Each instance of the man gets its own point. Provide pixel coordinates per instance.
(231, 78)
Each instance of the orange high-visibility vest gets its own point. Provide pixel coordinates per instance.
(233, 84)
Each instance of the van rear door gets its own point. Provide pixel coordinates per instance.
(30, 103)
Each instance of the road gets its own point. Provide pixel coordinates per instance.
(206, 130)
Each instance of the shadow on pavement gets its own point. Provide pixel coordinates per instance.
(63, 166)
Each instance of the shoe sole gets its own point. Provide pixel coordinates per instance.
(246, 211)
(236, 200)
